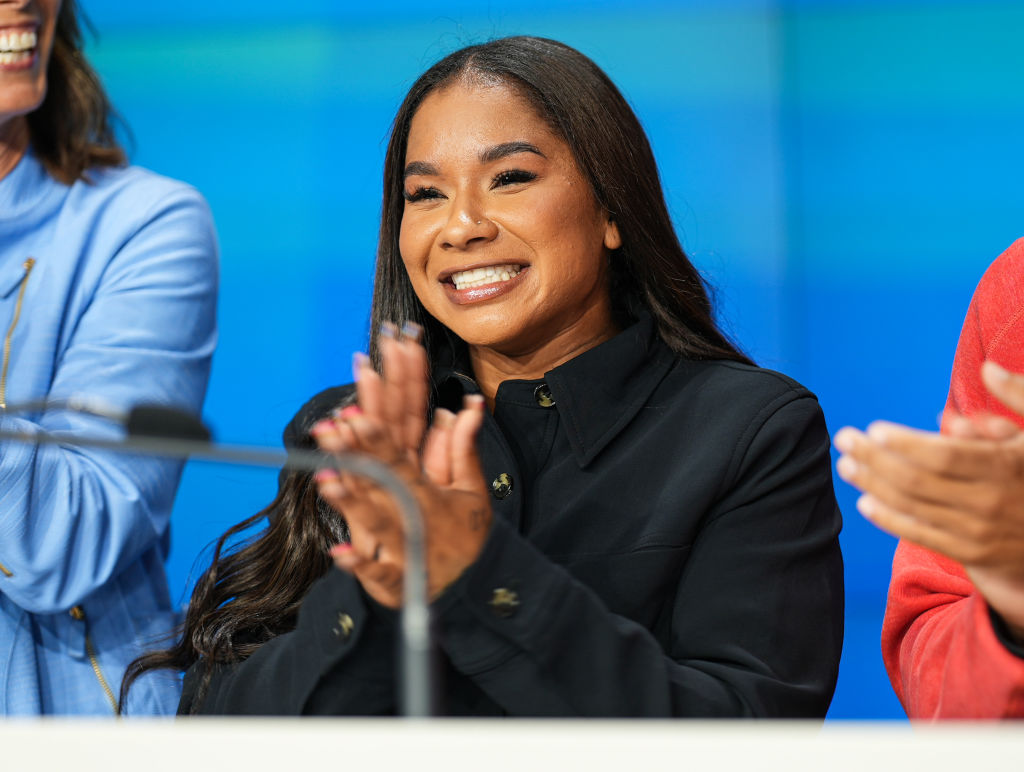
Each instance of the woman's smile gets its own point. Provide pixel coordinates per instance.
(475, 285)
(17, 47)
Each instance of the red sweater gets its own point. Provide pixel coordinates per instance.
(943, 656)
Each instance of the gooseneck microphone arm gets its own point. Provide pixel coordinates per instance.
(157, 430)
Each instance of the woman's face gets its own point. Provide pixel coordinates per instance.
(501, 235)
(26, 39)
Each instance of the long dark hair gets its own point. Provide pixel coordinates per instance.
(252, 593)
(73, 129)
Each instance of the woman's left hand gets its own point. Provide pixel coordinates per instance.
(441, 469)
(961, 494)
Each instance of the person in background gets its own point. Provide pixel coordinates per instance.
(624, 516)
(953, 635)
(108, 278)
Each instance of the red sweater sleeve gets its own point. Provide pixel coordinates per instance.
(940, 650)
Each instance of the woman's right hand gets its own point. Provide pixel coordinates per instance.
(441, 469)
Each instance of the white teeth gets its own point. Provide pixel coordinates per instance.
(478, 277)
(7, 57)
(16, 42)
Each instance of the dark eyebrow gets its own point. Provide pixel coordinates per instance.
(420, 167)
(506, 149)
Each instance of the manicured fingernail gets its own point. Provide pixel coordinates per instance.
(846, 467)
(323, 475)
(389, 330)
(341, 549)
(319, 427)
(444, 418)
(350, 411)
(867, 505)
(412, 331)
(359, 361)
(475, 401)
(879, 433)
(994, 371)
(844, 440)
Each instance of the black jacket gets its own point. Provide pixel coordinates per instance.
(665, 543)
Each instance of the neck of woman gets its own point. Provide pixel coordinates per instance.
(13, 143)
(493, 365)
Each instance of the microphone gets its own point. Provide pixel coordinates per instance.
(169, 432)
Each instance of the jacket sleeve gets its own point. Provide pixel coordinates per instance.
(944, 656)
(939, 644)
(756, 620)
(71, 518)
(338, 660)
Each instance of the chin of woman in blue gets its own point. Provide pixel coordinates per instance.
(107, 290)
(624, 516)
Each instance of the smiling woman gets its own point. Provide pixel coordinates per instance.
(624, 516)
(107, 290)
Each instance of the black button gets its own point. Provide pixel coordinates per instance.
(504, 602)
(543, 396)
(502, 486)
(343, 629)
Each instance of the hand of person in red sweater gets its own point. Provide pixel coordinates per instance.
(960, 494)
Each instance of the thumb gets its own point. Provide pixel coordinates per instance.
(1005, 386)
(467, 474)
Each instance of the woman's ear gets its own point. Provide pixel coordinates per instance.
(612, 239)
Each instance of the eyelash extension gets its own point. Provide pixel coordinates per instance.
(508, 177)
(512, 176)
(421, 194)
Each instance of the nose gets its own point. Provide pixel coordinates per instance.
(467, 224)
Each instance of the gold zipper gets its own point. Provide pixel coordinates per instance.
(10, 331)
(78, 613)
(5, 571)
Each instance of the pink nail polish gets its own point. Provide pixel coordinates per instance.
(350, 411)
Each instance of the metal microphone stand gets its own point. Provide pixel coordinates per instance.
(192, 440)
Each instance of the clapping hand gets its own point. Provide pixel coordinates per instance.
(439, 464)
(960, 494)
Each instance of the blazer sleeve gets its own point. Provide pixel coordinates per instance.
(756, 621)
(71, 518)
(944, 655)
(338, 660)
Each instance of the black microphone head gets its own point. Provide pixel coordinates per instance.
(165, 422)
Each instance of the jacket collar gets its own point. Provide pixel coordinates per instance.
(596, 393)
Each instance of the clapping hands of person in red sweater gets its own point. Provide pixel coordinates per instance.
(960, 493)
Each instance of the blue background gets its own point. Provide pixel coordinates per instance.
(842, 172)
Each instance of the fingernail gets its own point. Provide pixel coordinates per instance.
(867, 505)
(359, 361)
(389, 330)
(475, 401)
(879, 433)
(323, 475)
(995, 371)
(350, 411)
(321, 426)
(340, 549)
(443, 417)
(846, 467)
(412, 331)
(844, 440)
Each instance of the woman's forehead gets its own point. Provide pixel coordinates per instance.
(465, 118)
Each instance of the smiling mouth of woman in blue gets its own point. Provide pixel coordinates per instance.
(17, 46)
(481, 277)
